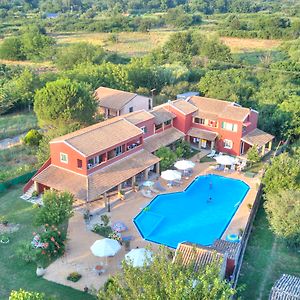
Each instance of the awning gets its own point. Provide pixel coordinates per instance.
(257, 137)
(203, 134)
(118, 172)
(63, 180)
(162, 115)
(162, 139)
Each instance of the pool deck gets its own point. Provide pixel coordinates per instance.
(79, 258)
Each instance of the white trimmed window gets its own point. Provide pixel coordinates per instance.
(144, 128)
(229, 126)
(64, 157)
(228, 144)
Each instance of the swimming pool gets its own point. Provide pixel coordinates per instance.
(199, 214)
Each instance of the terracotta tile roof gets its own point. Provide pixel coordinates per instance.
(118, 172)
(98, 182)
(202, 134)
(100, 136)
(63, 180)
(184, 106)
(209, 107)
(257, 137)
(286, 288)
(230, 248)
(198, 255)
(138, 116)
(111, 98)
(162, 115)
(163, 138)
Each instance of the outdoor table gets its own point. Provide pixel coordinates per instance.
(99, 269)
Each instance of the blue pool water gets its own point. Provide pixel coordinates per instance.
(200, 214)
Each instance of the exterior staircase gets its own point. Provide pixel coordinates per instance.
(26, 196)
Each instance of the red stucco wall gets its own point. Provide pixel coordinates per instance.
(73, 155)
(150, 127)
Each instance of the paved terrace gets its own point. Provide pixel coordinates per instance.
(79, 257)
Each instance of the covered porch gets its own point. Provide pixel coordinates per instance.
(101, 184)
(202, 139)
(262, 140)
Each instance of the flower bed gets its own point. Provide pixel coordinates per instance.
(74, 276)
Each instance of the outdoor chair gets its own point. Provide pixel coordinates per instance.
(212, 153)
(159, 187)
(154, 190)
(232, 168)
(147, 194)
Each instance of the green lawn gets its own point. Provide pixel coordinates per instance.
(16, 274)
(266, 258)
(17, 123)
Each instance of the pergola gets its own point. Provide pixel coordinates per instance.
(260, 139)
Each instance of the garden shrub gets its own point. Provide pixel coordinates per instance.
(32, 138)
(26, 295)
(58, 208)
(74, 276)
(48, 245)
(102, 230)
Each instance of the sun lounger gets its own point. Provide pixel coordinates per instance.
(154, 190)
(147, 194)
(212, 153)
(159, 187)
(232, 168)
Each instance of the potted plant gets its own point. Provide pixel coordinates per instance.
(4, 239)
(249, 205)
(127, 245)
(3, 221)
(34, 194)
(40, 271)
(122, 195)
(135, 187)
(86, 216)
(241, 232)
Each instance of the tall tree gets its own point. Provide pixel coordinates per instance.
(163, 279)
(283, 211)
(64, 102)
(57, 208)
(283, 173)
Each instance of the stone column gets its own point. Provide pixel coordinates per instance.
(146, 172)
(263, 150)
(157, 168)
(36, 186)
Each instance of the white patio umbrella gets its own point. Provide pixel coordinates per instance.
(171, 175)
(105, 247)
(184, 165)
(138, 257)
(224, 160)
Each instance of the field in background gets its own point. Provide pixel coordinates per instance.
(139, 43)
(266, 258)
(238, 45)
(128, 43)
(17, 123)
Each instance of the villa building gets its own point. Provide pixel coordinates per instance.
(112, 103)
(112, 155)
